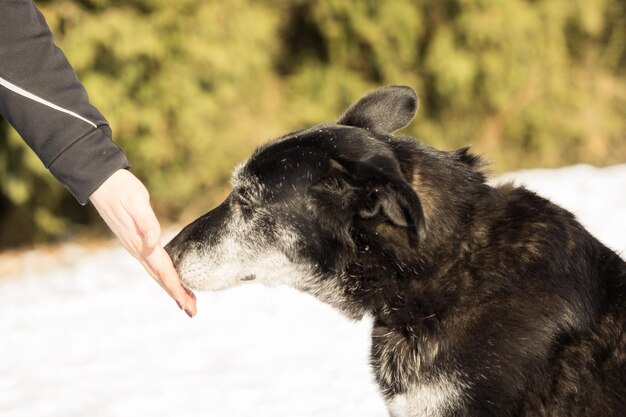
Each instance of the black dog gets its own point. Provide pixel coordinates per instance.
(487, 301)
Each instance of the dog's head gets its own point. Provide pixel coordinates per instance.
(308, 206)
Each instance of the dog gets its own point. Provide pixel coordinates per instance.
(486, 300)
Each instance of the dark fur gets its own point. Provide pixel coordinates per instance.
(493, 284)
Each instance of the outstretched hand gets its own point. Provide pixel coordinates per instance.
(124, 204)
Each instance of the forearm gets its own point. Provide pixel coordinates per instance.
(45, 102)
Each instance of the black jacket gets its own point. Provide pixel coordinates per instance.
(45, 102)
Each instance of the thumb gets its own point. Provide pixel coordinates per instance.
(145, 220)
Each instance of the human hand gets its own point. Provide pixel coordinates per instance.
(124, 204)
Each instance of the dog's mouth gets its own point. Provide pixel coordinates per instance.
(248, 278)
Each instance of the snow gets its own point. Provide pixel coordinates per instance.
(96, 337)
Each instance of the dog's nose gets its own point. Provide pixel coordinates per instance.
(173, 251)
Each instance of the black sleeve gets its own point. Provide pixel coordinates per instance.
(45, 102)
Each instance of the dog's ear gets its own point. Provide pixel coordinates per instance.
(396, 202)
(384, 110)
(381, 193)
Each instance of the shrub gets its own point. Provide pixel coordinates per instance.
(191, 86)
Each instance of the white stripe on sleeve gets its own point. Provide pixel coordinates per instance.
(31, 96)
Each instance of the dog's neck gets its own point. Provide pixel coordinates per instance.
(396, 279)
(451, 198)
(409, 275)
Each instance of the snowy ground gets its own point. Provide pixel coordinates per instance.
(96, 337)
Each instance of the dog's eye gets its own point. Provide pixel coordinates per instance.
(243, 202)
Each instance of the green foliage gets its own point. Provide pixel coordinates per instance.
(191, 87)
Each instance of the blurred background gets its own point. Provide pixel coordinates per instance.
(190, 87)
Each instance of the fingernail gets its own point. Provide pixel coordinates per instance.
(188, 313)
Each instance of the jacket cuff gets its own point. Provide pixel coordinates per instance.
(88, 162)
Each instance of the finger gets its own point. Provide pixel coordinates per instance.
(124, 228)
(159, 265)
(157, 262)
(145, 220)
(191, 294)
(185, 301)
